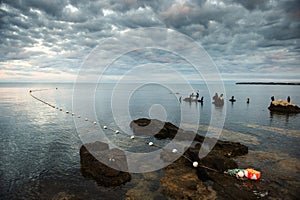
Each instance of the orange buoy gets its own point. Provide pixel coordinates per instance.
(252, 174)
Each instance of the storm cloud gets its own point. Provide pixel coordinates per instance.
(245, 38)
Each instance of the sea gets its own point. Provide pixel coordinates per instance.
(39, 157)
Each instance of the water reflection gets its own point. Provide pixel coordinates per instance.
(279, 116)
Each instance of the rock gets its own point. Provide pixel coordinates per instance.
(283, 106)
(91, 155)
(141, 191)
(64, 196)
(183, 181)
(180, 181)
(218, 158)
(162, 130)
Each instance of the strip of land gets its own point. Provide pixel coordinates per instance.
(266, 83)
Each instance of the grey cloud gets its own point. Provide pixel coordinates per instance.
(239, 35)
(53, 7)
(254, 4)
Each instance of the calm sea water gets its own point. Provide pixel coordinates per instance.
(40, 145)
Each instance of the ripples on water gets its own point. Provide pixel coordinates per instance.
(40, 145)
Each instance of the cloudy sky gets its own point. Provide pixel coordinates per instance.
(43, 40)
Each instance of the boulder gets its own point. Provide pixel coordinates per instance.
(92, 154)
(283, 106)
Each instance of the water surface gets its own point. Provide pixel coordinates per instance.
(40, 145)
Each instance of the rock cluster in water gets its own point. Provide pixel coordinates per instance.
(283, 106)
(179, 180)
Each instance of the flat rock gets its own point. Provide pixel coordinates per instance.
(92, 154)
(283, 106)
(162, 130)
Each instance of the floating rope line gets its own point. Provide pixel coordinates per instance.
(132, 137)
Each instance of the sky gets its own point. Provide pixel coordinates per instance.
(49, 41)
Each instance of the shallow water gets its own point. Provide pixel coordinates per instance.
(40, 145)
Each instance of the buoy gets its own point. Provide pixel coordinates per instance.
(195, 164)
(73, 114)
(105, 127)
(150, 143)
(86, 119)
(78, 116)
(174, 151)
(117, 131)
(60, 109)
(252, 174)
(67, 112)
(240, 174)
(95, 122)
(132, 137)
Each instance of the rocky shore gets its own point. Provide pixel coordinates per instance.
(179, 180)
(283, 106)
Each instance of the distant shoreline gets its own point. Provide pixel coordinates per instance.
(266, 83)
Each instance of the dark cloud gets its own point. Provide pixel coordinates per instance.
(254, 4)
(240, 35)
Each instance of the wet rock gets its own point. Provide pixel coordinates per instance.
(146, 186)
(183, 181)
(162, 130)
(141, 191)
(180, 181)
(283, 106)
(104, 165)
(64, 196)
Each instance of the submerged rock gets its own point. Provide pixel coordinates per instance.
(91, 155)
(162, 130)
(64, 196)
(283, 107)
(180, 181)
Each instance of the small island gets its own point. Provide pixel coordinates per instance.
(283, 106)
(267, 83)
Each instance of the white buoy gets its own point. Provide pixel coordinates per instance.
(78, 116)
(73, 114)
(150, 143)
(195, 164)
(240, 174)
(86, 119)
(67, 112)
(132, 137)
(60, 109)
(95, 122)
(174, 151)
(105, 127)
(117, 131)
